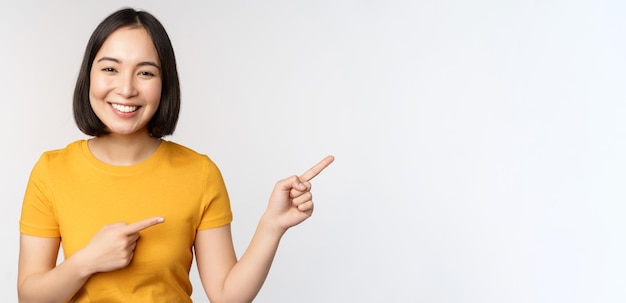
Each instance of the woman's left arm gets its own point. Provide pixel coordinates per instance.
(227, 280)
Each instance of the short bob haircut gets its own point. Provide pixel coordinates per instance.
(165, 118)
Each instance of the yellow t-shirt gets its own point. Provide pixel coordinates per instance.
(72, 195)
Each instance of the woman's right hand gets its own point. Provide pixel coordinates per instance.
(113, 246)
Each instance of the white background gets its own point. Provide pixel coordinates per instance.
(480, 144)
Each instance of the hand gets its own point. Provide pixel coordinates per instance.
(291, 201)
(113, 246)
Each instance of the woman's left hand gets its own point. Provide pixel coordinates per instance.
(291, 201)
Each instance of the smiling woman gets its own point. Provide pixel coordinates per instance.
(129, 207)
(125, 88)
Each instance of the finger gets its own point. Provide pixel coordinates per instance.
(133, 237)
(143, 224)
(315, 170)
(294, 192)
(306, 207)
(304, 198)
(132, 246)
(291, 183)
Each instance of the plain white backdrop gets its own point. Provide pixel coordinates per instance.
(480, 145)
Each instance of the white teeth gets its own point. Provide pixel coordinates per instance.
(124, 108)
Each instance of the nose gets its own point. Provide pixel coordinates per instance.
(126, 86)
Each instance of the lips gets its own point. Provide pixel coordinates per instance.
(125, 108)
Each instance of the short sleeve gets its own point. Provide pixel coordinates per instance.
(38, 215)
(217, 211)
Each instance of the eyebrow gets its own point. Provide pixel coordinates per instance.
(142, 63)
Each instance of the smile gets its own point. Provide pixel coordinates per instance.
(125, 108)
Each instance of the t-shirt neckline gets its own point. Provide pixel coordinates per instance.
(123, 169)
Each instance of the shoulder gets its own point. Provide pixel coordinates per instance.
(65, 154)
(58, 160)
(180, 154)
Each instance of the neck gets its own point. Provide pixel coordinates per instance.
(123, 150)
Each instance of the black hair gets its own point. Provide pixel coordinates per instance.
(164, 121)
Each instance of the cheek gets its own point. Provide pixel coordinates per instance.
(153, 92)
(97, 88)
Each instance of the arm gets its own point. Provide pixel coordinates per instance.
(223, 277)
(40, 280)
(227, 280)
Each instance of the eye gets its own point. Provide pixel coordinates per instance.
(109, 70)
(146, 74)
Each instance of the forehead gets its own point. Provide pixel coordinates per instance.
(129, 44)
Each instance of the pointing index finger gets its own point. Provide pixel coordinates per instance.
(315, 170)
(143, 224)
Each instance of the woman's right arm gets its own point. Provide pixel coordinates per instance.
(40, 279)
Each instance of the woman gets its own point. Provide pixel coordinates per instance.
(130, 208)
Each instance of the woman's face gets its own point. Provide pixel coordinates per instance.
(125, 88)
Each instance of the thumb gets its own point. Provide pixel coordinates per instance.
(290, 183)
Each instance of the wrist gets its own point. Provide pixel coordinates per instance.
(270, 225)
(83, 268)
